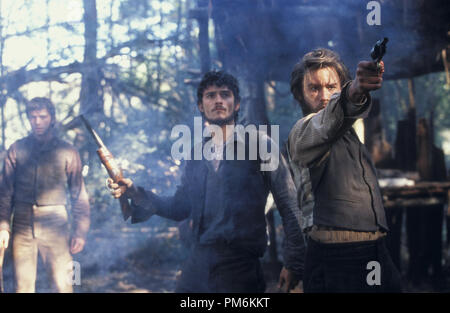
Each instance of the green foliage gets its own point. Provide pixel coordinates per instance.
(143, 89)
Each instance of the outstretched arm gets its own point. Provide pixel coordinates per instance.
(369, 77)
(145, 203)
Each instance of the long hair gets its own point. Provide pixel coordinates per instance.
(312, 61)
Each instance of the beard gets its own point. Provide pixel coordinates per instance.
(221, 121)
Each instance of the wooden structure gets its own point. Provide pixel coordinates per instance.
(422, 193)
(271, 35)
(261, 40)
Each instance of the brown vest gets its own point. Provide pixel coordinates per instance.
(41, 171)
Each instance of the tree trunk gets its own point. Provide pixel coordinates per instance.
(253, 100)
(202, 17)
(90, 95)
(2, 87)
(379, 148)
(424, 151)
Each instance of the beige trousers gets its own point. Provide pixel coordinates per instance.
(41, 230)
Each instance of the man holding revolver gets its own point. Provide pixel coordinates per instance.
(340, 200)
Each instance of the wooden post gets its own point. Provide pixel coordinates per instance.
(424, 150)
(411, 91)
(405, 143)
(425, 223)
(374, 140)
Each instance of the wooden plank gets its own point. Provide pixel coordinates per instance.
(421, 188)
(414, 202)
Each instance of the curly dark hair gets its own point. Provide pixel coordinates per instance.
(219, 79)
(314, 60)
(39, 103)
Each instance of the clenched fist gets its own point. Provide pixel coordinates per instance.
(119, 189)
(369, 77)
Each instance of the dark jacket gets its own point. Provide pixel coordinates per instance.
(243, 223)
(335, 177)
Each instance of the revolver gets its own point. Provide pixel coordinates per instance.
(378, 50)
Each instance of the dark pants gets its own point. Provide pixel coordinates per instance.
(345, 267)
(221, 269)
(424, 228)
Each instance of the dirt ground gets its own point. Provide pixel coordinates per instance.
(147, 260)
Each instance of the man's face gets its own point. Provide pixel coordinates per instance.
(318, 86)
(40, 121)
(218, 105)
